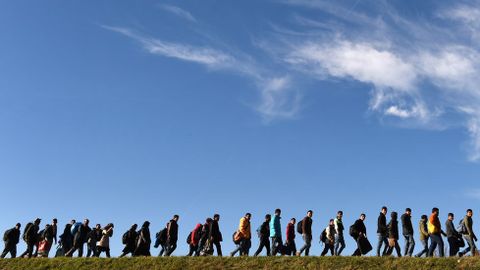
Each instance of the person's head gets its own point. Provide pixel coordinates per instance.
(18, 226)
(339, 214)
(86, 221)
(362, 216)
(216, 217)
(98, 226)
(146, 224)
(54, 221)
(268, 217)
(47, 226)
(384, 210)
(424, 217)
(330, 222)
(293, 220)
(309, 213)
(435, 211)
(109, 225)
(278, 212)
(450, 216)
(37, 221)
(208, 220)
(176, 217)
(394, 215)
(248, 216)
(134, 227)
(408, 211)
(73, 221)
(469, 212)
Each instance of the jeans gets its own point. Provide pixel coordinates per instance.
(471, 246)
(9, 248)
(170, 248)
(243, 247)
(382, 239)
(277, 246)
(436, 239)
(264, 242)
(409, 245)
(162, 251)
(307, 238)
(425, 248)
(339, 244)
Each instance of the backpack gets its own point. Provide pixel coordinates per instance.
(189, 238)
(125, 238)
(259, 231)
(41, 234)
(161, 238)
(6, 235)
(323, 236)
(353, 231)
(27, 228)
(235, 238)
(300, 227)
(75, 228)
(461, 227)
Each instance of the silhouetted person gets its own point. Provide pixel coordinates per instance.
(382, 231)
(30, 236)
(172, 235)
(129, 240)
(11, 239)
(79, 239)
(306, 233)
(92, 238)
(469, 235)
(276, 233)
(104, 244)
(143, 241)
(359, 230)
(264, 236)
(217, 234)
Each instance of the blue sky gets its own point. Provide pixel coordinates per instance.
(125, 111)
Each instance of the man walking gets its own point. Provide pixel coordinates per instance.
(468, 234)
(407, 230)
(172, 235)
(452, 235)
(30, 236)
(423, 231)
(264, 236)
(306, 233)
(79, 238)
(358, 230)
(11, 238)
(290, 247)
(435, 232)
(382, 231)
(339, 240)
(217, 234)
(276, 233)
(243, 235)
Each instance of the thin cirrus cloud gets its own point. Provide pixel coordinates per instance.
(278, 99)
(421, 72)
(179, 12)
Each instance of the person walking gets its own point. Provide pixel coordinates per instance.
(330, 238)
(193, 240)
(468, 234)
(423, 231)
(143, 240)
(264, 236)
(407, 231)
(393, 235)
(45, 241)
(30, 236)
(11, 237)
(129, 239)
(382, 231)
(276, 234)
(66, 239)
(79, 238)
(205, 245)
(243, 236)
(435, 232)
(306, 233)
(339, 239)
(172, 235)
(216, 234)
(453, 235)
(92, 238)
(290, 247)
(358, 230)
(104, 244)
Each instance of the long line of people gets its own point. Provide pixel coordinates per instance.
(207, 237)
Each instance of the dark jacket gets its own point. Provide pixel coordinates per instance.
(13, 236)
(393, 229)
(172, 231)
(31, 234)
(359, 227)
(407, 227)
(215, 231)
(264, 230)
(82, 234)
(66, 238)
(451, 231)
(205, 231)
(307, 225)
(469, 226)
(382, 225)
(48, 234)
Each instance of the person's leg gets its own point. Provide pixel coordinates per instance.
(379, 243)
(433, 245)
(342, 246)
(218, 247)
(80, 250)
(259, 249)
(325, 250)
(441, 250)
(397, 248)
(274, 247)
(172, 248)
(412, 245)
(6, 250)
(107, 252)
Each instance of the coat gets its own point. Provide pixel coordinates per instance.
(244, 228)
(275, 227)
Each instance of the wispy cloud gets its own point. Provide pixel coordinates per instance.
(178, 12)
(277, 98)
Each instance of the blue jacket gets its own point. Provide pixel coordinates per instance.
(275, 228)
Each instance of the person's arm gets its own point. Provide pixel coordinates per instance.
(468, 225)
(336, 226)
(304, 225)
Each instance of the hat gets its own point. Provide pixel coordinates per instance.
(37, 220)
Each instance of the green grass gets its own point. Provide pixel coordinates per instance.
(347, 263)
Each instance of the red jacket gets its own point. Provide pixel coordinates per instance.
(290, 232)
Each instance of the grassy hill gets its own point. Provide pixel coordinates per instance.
(349, 263)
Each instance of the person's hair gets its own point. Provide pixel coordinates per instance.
(450, 214)
(332, 220)
(134, 226)
(55, 220)
(268, 216)
(248, 214)
(216, 216)
(278, 211)
(394, 215)
(146, 224)
(363, 215)
(469, 210)
(293, 219)
(175, 216)
(408, 210)
(309, 211)
(424, 217)
(435, 209)
(18, 225)
(209, 220)
(86, 220)
(98, 225)
(340, 213)
(384, 208)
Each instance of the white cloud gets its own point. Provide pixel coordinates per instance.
(278, 98)
(179, 12)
